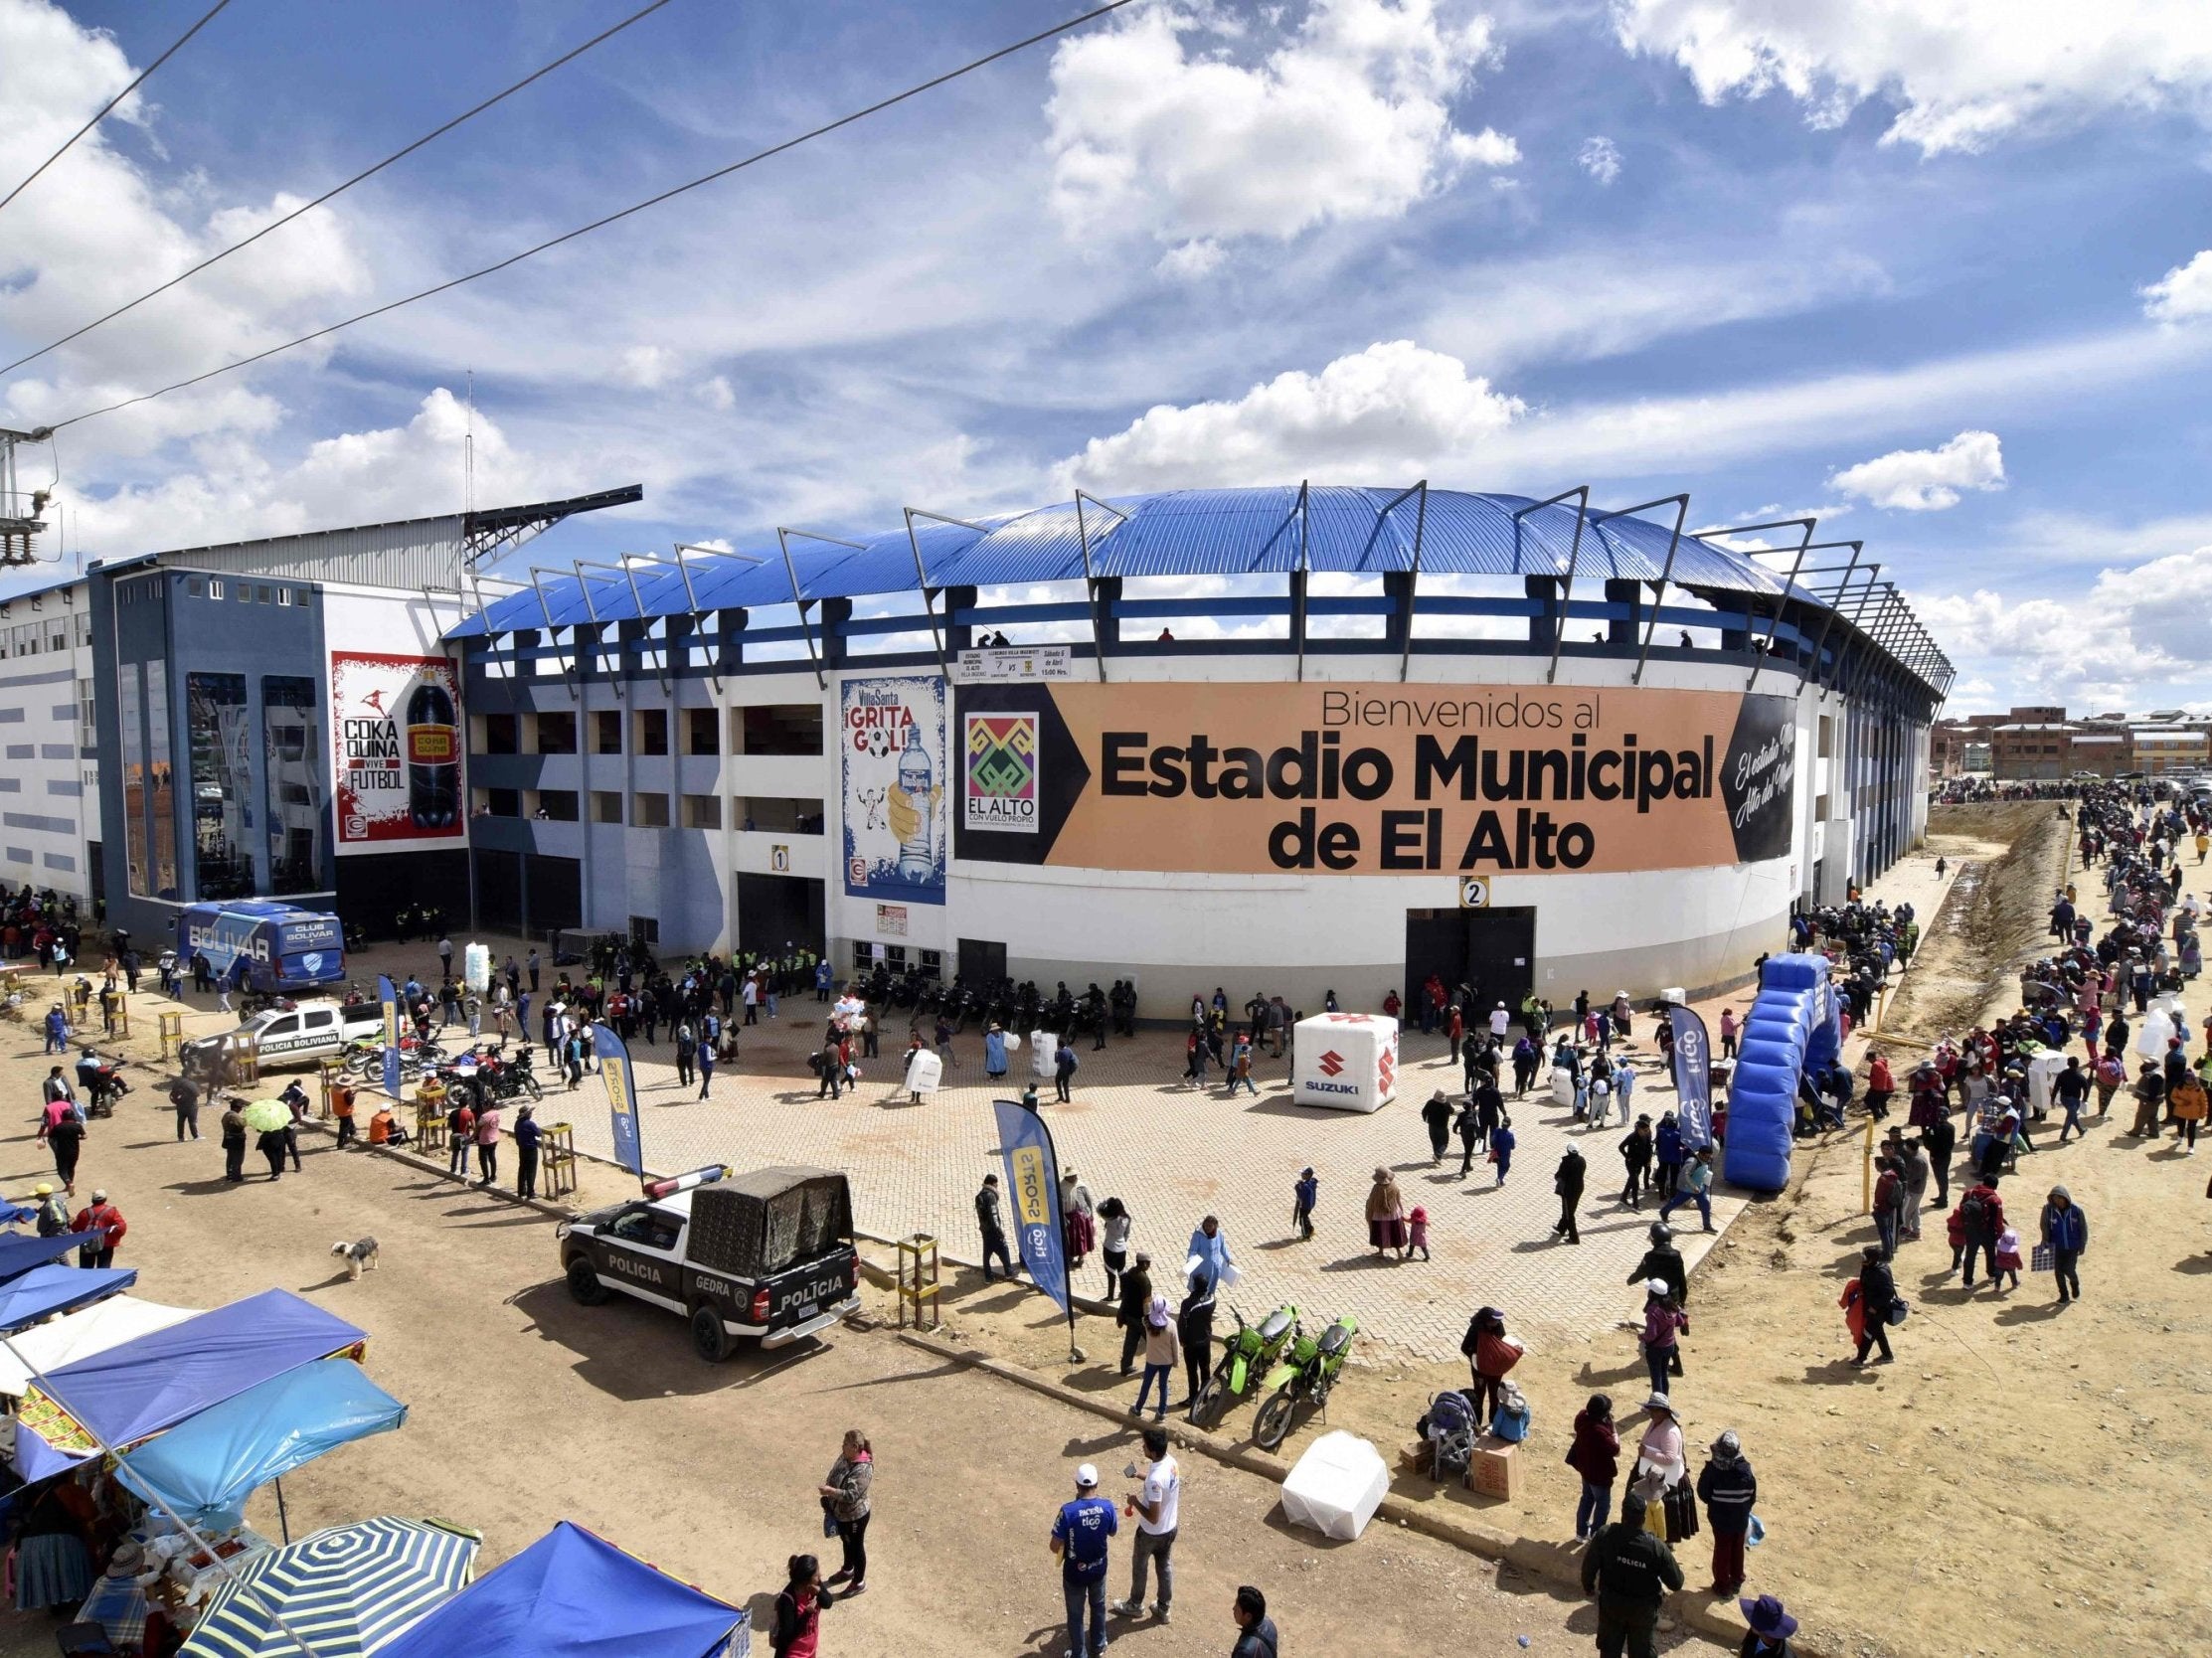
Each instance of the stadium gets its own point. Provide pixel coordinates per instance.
(1295, 740)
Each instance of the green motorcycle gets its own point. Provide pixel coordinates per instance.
(1248, 1355)
(1304, 1374)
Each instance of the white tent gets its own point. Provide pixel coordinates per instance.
(79, 1334)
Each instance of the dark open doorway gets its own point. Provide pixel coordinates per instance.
(1492, 951)
(981, 961)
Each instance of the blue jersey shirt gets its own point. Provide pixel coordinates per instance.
(1082, 1529)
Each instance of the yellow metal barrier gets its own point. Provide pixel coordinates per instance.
(918, 1287)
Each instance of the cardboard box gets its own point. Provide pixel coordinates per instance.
(1494, 1471)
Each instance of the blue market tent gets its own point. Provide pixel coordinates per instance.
(206, 1468)
(133, 1392)
(571, 1594)
(46, 1290)
(22, 1251)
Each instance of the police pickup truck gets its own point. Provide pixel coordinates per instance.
(299, 1034)
(765, 1256)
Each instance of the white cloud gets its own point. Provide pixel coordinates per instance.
(1157, 125)
(2136, 634)
(1191, 260)
(1927, 480)
(716, 393)
(96, 231)
(1385, 413)
(362, 477)
(1962, 73)
(2183, 293)
(648, 365)
(1401, 407)
(1600, 157)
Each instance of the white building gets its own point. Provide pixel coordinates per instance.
(48, 757)
(1380, 738)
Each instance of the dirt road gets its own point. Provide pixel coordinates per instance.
(525, 1408)
(2014, 1482)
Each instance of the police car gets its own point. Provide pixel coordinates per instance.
(765, 1256)
(298, 1034)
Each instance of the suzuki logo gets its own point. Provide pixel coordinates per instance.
(1332, 1063)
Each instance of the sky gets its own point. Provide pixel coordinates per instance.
(1937, 272)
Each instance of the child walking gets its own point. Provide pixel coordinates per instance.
(1303, 1196)
(1502, 1143)
(2008, 1255)
(1417, 1232)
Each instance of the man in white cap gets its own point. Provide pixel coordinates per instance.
(102, 1226)
(1079, 1539)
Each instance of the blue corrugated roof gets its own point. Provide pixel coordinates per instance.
(1188, 532)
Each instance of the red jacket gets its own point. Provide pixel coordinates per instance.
(103, 1217)
(1597, 1450)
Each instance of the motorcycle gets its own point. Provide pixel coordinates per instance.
(1304, 1375)
(1247, 1356)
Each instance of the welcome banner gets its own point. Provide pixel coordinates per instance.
(1359, 779)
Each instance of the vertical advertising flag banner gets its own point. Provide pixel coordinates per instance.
(1693, 1077)
(1033, 1196)
(622, 1097)
(396, 721)
(391, 1000)
(891, 734)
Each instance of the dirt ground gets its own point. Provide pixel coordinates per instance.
(2011, 1484)
(525, 1408)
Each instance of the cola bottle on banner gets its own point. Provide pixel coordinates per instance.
(434, 770)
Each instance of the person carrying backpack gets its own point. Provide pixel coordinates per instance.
(1980, 1220)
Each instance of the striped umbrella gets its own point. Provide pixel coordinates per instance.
(345, 1590)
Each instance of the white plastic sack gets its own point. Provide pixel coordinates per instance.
(1044, 1046)
(476, 968)
(923, 1072)
(1013, 1040)
(1336, 1486)
(1563, 1085)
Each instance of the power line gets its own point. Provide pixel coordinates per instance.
(757, 157)
(112, 102)
(339, 190)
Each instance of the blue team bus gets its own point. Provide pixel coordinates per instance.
(284, 952)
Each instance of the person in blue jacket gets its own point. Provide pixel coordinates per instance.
(1670, 1155)
(2066, 1230)
(994, 1052)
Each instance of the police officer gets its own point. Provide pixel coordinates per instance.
(1631, 1571)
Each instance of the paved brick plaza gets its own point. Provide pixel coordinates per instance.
(1173, 1154)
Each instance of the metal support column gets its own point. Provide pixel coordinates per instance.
(1681, 512)
(784, 540)
(1090, 576)
(1567, 588)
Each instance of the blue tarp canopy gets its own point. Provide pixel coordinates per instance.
(46, 1290)
(133, 1392)
(206, 1468)
(22, 1251)
(571, 1594)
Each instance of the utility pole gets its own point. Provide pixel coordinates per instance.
(20, 518)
